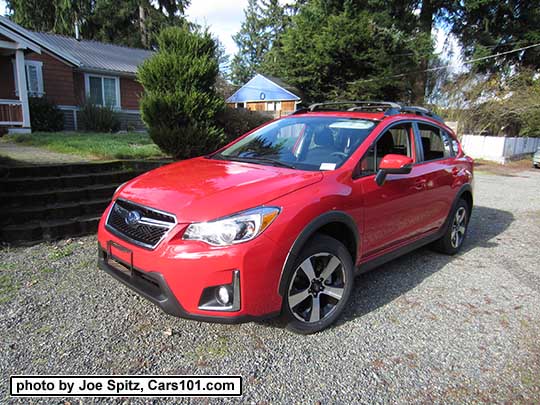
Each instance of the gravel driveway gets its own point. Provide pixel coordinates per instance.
(424, 328)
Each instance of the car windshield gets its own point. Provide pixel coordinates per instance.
(306, 143)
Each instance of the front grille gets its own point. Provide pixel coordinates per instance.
(145, 226)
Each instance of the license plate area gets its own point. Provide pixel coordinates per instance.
(120, 258)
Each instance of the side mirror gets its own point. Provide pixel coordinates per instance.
(393, 164)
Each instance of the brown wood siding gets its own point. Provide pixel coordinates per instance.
(287, 106)
(130, 93)
(78, 86)
(7, 83)
(57, 79)
(257, 106)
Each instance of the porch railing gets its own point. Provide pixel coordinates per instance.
(11, 112)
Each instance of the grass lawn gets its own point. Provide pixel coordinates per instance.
(130, 145)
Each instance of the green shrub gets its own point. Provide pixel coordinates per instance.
(45, 115)
(238, 121)
(531, 123)
(98, 118)
(180, 103)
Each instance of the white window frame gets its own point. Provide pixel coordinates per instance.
(273, 106)
(39, 69)
(87, 77)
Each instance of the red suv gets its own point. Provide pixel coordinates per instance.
(282, 219)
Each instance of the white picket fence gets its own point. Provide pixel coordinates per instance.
(498, 148)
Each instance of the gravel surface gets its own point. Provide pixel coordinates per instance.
(424, 328)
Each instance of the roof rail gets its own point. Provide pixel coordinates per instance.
(356, 105)
(389, 108)
(422, 111)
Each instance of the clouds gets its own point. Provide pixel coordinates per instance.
(223, 18)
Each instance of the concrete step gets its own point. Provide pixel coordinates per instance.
(26, 184)
(78, 168)
(51, 202)
(21, 216)
(39, 231)
(56, 196)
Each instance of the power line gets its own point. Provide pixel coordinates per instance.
(468, 62)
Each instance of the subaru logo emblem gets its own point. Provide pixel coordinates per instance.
(133, 217)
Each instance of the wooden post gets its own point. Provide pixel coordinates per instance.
(21, 83)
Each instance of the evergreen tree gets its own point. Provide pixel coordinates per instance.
(489, 27)
(265, 21)
(115, 21)
(180, 102)
(346, 49)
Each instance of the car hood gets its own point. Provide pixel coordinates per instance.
(203, 189)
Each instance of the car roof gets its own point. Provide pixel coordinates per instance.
(372, 116)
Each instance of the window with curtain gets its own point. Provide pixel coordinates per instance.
(34, 78)
(103, 90)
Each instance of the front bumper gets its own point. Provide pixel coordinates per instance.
(176, 273)
(153, 287)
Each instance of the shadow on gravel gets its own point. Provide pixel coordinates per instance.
(388, 282)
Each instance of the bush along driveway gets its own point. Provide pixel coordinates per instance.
(423, 328)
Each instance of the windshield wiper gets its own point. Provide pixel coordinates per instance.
(273, 162)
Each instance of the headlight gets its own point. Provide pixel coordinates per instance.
(237, 228)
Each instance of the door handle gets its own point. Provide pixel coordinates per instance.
(420, 184)
(455, 171)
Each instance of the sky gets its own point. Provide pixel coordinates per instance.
(224, 18)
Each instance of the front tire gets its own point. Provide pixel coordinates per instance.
(319, 285)
(453, 239)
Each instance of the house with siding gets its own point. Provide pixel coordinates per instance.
(266, 94)
(69, 72)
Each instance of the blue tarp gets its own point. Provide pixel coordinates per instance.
(260, 88)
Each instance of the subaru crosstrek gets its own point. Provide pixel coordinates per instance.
(282, 219)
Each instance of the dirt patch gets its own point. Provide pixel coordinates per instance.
(15, 154)
(510, 169)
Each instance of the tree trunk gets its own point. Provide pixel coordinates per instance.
(426, 25)
(142, 26)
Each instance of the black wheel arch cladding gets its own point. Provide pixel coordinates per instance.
(331, 217)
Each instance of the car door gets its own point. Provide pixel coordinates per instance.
(436, 165)
(392, 213)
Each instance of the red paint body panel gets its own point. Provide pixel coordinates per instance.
(203, 189)
(405, 208)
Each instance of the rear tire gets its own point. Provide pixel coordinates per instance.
(452, 241)
(319, 285)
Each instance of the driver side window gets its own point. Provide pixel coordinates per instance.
(395, 140)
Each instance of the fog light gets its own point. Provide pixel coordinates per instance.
(223, 295)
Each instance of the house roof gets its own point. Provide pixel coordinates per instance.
(264, 88)
(86, 55)
(93, 55)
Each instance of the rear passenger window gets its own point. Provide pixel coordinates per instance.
(396, 141)
(436, 143)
